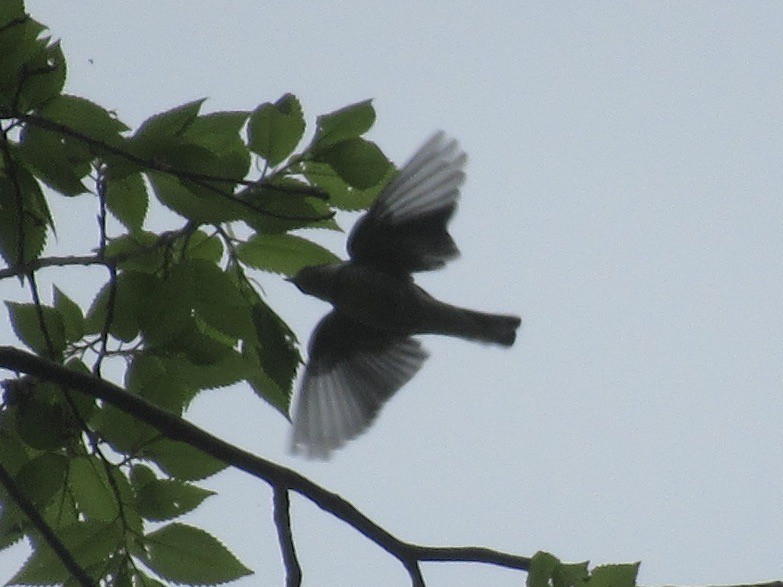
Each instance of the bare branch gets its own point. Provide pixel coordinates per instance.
(283, 524)
(53, 262)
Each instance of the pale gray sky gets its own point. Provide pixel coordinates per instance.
(623, 196)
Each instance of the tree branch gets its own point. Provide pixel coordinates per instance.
(282, 517)
(276, 475)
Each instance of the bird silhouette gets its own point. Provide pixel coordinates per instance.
(363, 351)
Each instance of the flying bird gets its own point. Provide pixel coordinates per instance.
(363, 351)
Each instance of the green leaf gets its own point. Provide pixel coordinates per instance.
(345, 123)
(181, 460)
(281, 211)
(40, 478)
(283, 253)
(185, 554)
(10, 525)
(128, 200)
(275, 130)
(196, 202)
(61, 158)
(60, 162)
(342, 195)
(90, 542)
(542, 569)
(86, 118)
(123, 432)
(228, 369)
(73, 319)
(203, 247)
(623, 575)
(360, 163)
(218, 131)
(149, 377)
(42, 419)
(33, 67)
(138, 251)
(20, 44)
(275, 359)
(91, 488)
(164, 499)
(44, 332)
(161, 127)
(218, 301)
(24, 216)
(132, 290)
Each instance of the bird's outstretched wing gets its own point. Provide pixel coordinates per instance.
(405, 229)
(351, 373)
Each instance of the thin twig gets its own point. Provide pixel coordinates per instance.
(100, 188)
(282, 516)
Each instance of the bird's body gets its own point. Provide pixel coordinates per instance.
(362, 352)
(395, 305)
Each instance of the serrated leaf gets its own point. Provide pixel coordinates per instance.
(89, 542)
(283, 253)
(130, 292)
(185, 554)
(92, 490)
(623, 575)
(140, 475)
(137, 251)
(181, 460)
(230, 368)
(275, 130)
(73, 319)
(24, 216)
(360, 163)
(41, 421)
(542, 569)
(342, 195)
(85, 117)
(218, 301)
(275, 358)
(123, 432)
(40, 478)
(128, 200)
(164, 499)
(203, 247)
(280, 212)
(196, 202)
(345, 123)
(43, 331)
(169, 123)
(41, 76)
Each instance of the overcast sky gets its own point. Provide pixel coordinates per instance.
(623, 196)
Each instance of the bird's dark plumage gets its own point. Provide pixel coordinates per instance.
(362, 352)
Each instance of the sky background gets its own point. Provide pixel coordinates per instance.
(623, 196)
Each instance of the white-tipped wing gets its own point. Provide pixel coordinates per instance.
(405, 230)
(352, 371)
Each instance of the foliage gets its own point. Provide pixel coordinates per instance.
(178, 307)
(95, 475)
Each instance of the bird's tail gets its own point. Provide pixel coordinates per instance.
(479, 326)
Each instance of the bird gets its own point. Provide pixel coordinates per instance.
(364, 350)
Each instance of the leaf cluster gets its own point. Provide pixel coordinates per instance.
(179, 310)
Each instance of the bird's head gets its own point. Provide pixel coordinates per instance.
(316, 280)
